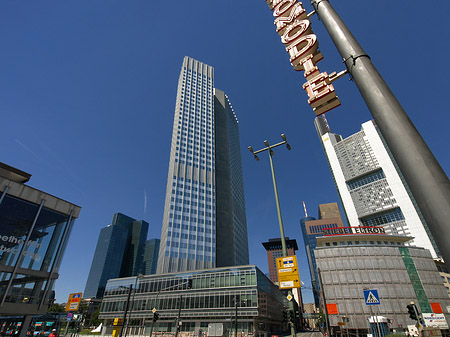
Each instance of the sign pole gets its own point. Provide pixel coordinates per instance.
(426, 179)
(283, 240)
(325, 309)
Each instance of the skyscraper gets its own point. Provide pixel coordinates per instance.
(204, 223)
(371, 186)
(119, 253)
(329, 217)
(151, 256)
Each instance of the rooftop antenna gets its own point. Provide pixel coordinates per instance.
(304, 207)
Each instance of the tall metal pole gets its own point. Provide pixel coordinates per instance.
(277, 201)
(324, 301)
(179, 315)
(235, 318)
(126, 310)
(280, 219)
(283, 240)
(132, 305)
(426, 179)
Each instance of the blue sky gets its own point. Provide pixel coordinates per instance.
(87, 95)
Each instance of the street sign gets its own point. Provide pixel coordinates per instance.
(371, 297)
(289, 297)
(74, 302)
(288, 276)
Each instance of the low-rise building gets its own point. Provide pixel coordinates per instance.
(197, 301)
(354, 259)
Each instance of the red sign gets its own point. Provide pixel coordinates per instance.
(332, 309)
(436, 307)
(302, 46)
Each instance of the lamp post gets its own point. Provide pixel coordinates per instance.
(138, 276)
(277, 201)
(236, 313)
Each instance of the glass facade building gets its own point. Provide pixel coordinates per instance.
(151, 256)
(204, 223)
(34, 230)
(119, 253)
(197, 299)
(371, 187)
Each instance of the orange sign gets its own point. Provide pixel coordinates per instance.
(332, 309)
(302, 46)
(74, 302)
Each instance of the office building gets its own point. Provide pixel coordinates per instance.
(201, 300)
(35, 227)
(275, 250)
(371, 187)
(329, 217)
(204, 223)
(354, 259)
(151, 256)
(119, 253)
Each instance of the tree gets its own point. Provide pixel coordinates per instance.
(55, 307)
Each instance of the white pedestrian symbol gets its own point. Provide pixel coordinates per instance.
(371, 298)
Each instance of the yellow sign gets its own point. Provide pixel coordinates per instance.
(288, 276)
(118, 321)
(74, 302)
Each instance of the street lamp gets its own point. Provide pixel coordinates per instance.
(140, 277)
(236, 311)
(277, 201)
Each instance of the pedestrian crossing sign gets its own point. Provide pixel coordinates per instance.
(371, 297)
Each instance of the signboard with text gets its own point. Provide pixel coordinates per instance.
(74, 302)
(288, 276)
(435, 320)
(294, 28)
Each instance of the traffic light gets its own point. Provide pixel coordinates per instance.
(155, 317)
(412, 311)
(291, 316)
(285, 319)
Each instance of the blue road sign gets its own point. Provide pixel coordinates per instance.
(371, 297)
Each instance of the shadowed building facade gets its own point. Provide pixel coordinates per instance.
(119, 253)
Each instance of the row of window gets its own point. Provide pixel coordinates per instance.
(190, 301)
(383, 218)
(366, 179)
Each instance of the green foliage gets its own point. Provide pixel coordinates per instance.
(55, 307)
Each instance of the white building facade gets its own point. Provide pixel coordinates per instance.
(372, 189)
(204, 223)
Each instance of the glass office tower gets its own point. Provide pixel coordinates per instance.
(119, 253)
(204, 224)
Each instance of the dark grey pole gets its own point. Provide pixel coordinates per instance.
(177, 329)
(324, 302)
(127, 303)
(426, 179)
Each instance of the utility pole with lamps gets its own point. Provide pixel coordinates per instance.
(277, 201)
